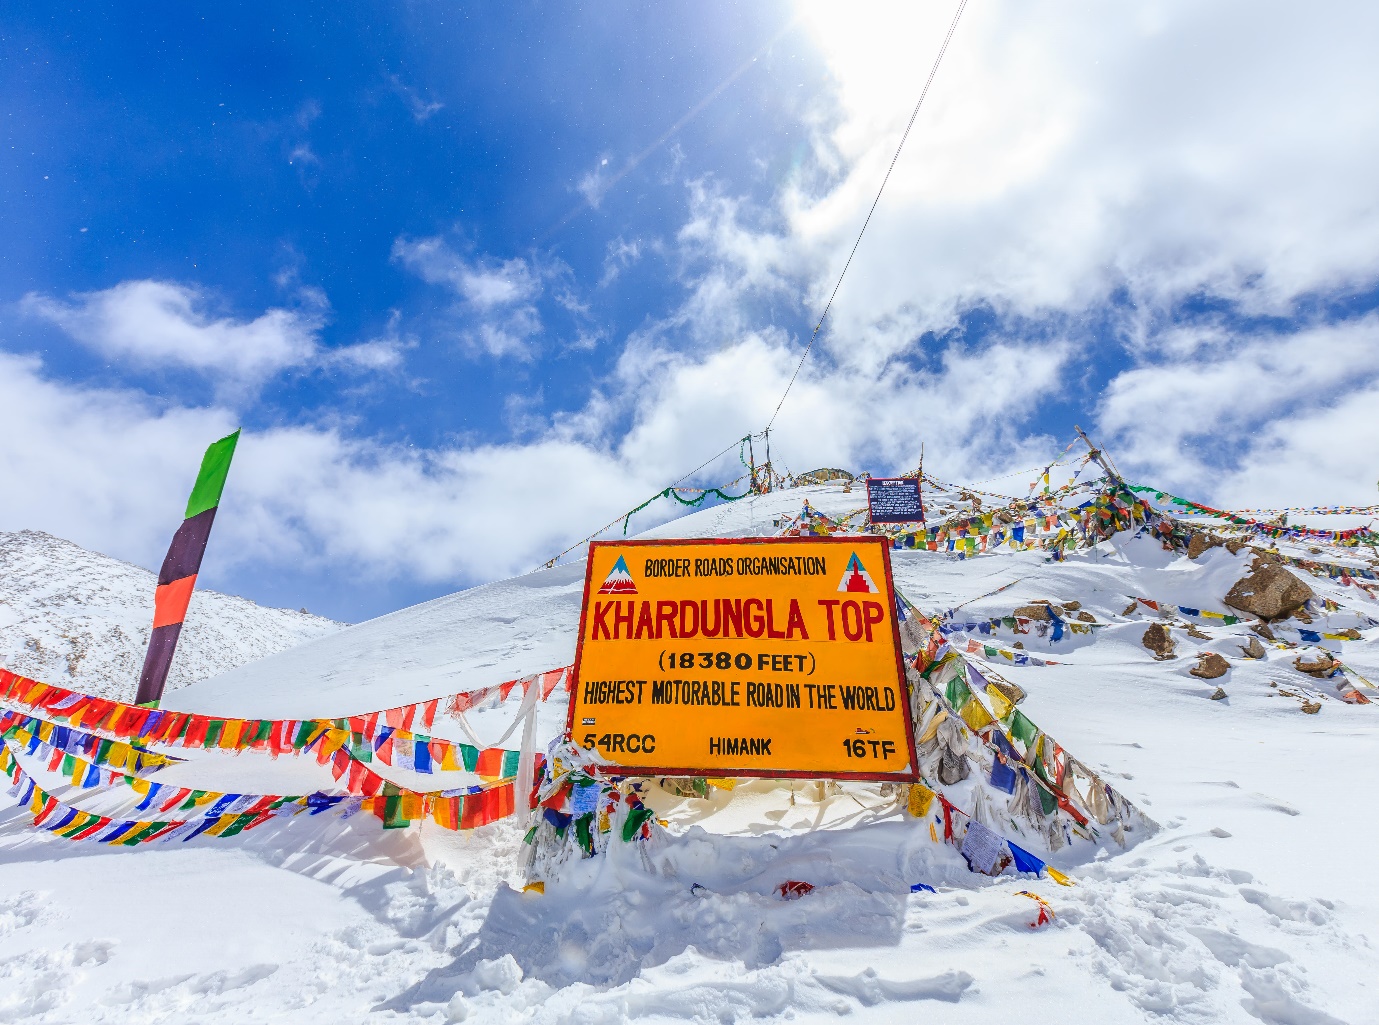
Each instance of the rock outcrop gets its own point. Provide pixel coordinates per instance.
(1270, 592)
(1210, 666)
(1158, 640)
(1200, 541)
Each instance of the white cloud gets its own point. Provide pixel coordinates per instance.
(1069, 154)
(497, 297)
(166, 324)
(378, 354)
(1212, 409)
(594, 185)
(1067, 150)
(1318, 457)
(620, 255)
(162, 324)
(1072, 161)
(110, 469)
(422, 110)
(103, 467)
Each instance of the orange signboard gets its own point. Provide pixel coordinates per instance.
(751, 657)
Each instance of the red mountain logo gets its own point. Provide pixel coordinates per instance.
(619, 580)
(856, 578)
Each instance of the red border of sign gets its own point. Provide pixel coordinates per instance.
(918, 488)
(642, 771)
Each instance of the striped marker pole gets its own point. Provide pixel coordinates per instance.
(183, 561)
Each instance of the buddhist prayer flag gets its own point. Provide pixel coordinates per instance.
(178, 575)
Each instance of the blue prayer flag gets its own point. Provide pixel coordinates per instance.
(1024, 860)
(1002, 775)
(221, 806)
(206, 823)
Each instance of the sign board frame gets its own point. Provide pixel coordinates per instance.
(882, 547)
(919, 497)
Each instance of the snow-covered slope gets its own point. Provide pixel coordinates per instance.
(1252, 903)
(81, 620)
(485, 635)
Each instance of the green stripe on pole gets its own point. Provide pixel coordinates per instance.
(210, 482)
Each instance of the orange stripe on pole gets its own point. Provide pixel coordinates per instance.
(170, 601)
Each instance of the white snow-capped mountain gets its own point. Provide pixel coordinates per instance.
(79, 619)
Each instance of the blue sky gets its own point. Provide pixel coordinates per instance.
(258, 152)
(476, 281)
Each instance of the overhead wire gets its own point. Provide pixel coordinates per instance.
(829, 305)
(933, 71)
(614, 522)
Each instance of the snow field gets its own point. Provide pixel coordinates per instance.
(1254, 901)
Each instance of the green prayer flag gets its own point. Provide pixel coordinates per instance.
(636, 818)
(958, 692)
(137, 836)
(511, 761)
(1022, 729)
(210, 482)
(304, 734)
(237, 825)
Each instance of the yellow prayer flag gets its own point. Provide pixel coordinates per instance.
(1057, 876)
(333, 741)
(229, 733)
(1000, 704)
(976, 716)
(921, 799)
(724, 783)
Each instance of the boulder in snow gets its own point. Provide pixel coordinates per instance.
(1321, 666)
(1158, 640)
(1201, 541)
(1210, 666)
(1270, 592)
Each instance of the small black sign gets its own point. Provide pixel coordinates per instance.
(894, 500)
